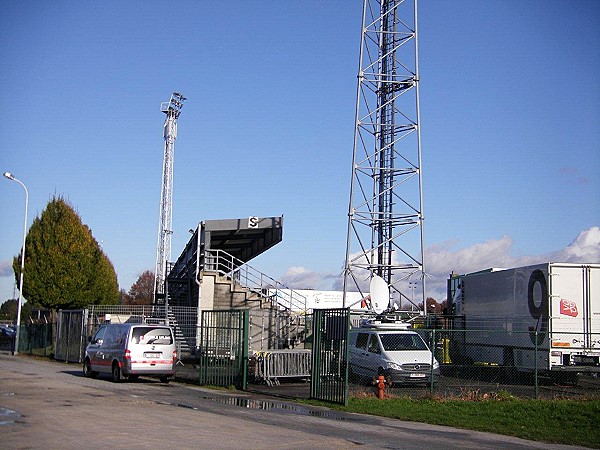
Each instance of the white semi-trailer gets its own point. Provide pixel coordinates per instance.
(510, 316)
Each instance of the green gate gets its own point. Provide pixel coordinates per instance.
(329, 371)
(70, 336)
(224, 348)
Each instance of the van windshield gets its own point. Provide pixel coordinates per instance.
(152, 335)
(395, 342)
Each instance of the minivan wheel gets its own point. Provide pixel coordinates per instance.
(87, 369)
(164, 379)
(117, 375)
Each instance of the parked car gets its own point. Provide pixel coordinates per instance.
(126, 351)
(7, 330)
(395, 352)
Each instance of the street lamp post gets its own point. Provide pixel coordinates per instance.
(10, 176)
(412, 286)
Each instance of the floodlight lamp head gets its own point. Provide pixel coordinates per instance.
(173, 107)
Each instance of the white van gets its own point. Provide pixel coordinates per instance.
(397, 353)
(127, 351)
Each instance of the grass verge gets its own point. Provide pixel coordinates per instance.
(571, 422)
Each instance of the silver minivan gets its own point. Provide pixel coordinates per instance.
(126, 351)
(400, 355)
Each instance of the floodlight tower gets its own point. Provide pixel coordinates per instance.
(385, 216)
(172, 109)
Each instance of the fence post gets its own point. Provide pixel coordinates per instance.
(201, 376)
(244, 325)
(535, 365)
(431, 371)
(315, 381)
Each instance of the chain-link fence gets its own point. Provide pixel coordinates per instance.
(37, 339)
(530, 364)
(489, 363)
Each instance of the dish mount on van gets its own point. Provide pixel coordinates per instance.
(384, 322)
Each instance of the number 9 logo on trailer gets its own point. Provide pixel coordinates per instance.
(537, 302)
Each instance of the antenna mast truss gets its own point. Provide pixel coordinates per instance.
(172, 109)
(385, 217)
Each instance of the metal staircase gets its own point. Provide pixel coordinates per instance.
(291, 329)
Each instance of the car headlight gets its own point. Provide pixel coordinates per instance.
(393, 365)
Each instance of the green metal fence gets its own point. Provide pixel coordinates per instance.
(223, 348)
(37, 339)
(71, 335)
(329, 371)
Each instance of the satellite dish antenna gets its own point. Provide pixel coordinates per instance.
(380, 294)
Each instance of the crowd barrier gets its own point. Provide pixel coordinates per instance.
(271, 365)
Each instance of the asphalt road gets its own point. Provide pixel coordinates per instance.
(47, 404)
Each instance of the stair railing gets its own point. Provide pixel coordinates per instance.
(254, 280)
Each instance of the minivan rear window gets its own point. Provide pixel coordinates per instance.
(395, 342)
(151, 335)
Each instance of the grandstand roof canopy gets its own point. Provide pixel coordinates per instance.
(243, 238)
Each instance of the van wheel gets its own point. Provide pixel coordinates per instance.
(164, 379)
(117, 375)
(87, 369)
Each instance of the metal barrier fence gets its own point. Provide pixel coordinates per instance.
(272, 365)
(530, 364)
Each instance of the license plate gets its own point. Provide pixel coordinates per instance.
(152, 355)
(417, 375)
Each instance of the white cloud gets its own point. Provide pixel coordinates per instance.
(585, 248)
(443, 258)
(301, 278)
(6, 269)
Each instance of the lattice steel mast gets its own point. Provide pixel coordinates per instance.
(172, 109)
(385, 217)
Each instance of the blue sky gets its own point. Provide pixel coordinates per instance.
(510, 124)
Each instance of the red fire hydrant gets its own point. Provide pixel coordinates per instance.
(380, 387)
